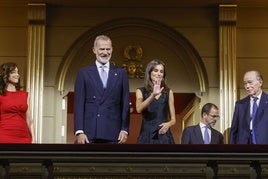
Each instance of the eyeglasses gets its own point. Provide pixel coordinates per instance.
(214, 116)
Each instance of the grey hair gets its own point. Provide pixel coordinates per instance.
(102, 37)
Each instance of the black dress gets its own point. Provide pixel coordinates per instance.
(154, 115)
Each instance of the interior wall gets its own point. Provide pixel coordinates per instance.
(197, 24)
(154, 41)
(13, 35)
(66, 24)
(61, 34)
(252, 44)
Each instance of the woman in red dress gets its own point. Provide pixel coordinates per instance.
(15, 126)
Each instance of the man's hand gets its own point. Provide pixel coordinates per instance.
(81, 139)
(122, 138)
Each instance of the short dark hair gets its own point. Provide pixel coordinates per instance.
(207, 107)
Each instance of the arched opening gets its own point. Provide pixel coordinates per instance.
(185, 70)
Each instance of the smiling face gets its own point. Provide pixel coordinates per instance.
(252, 83)
(103, 50)
(157, 73)
(14, 76)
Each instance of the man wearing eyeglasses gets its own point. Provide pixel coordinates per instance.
(203, 132)
(250, 119)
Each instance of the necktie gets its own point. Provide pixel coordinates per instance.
(254, 110)
(206, 136)
(104, 76)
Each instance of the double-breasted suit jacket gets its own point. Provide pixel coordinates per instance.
(101, 113)
(240, 129)
(193, 135)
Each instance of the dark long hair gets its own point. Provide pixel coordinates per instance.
(5, 71)
(148, 84)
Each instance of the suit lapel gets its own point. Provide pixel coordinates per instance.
(246, 106)
(262, 105)
(95, 77)
(112, 77)
(213, 136)
(198, 134)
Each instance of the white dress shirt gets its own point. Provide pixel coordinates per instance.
(251, 107)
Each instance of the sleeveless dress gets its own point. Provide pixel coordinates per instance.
(13, 125)
(155, 114)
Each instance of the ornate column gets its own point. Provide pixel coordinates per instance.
(35, 63)
(227, 62)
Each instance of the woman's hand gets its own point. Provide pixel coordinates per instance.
(81, 139)
(157, 87)
(164, 128)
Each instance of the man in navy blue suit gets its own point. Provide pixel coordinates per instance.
(196, 134)
(248, 127)
(101, 107)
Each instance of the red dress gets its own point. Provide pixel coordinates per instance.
(13, 125)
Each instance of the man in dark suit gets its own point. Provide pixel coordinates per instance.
(248, 126)
(197, 134)
(101, 108)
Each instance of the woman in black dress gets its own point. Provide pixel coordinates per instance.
(156, 103)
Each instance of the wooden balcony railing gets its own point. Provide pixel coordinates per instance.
(131, 161)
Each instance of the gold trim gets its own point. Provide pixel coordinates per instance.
(128, 55)
(188, 111)
(66, 65)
